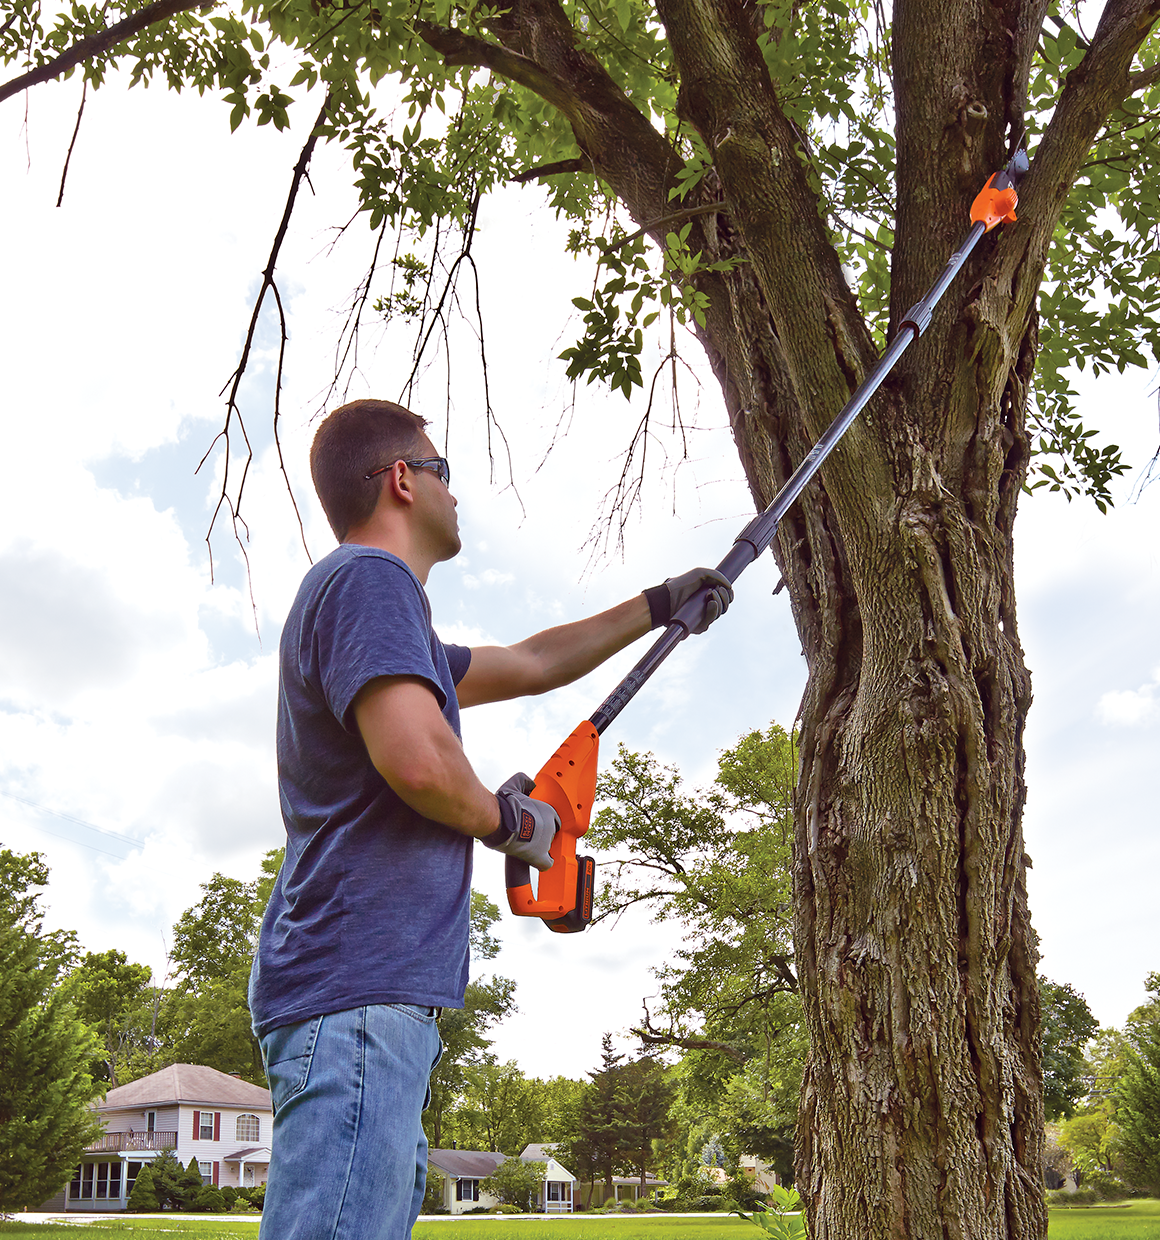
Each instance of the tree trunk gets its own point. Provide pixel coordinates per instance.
(921, 1109)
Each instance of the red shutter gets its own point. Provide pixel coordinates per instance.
(215, 1172)
(196, 1125)
(217, 1128)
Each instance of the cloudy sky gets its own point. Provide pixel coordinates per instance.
(137, 694)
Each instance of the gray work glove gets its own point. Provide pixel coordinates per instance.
(526, 827)
(664, 601)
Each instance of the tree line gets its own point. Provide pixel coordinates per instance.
(720, 1049)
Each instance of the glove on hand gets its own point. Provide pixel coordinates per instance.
(526, 827)
(664, 601)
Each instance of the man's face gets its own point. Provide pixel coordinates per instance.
(435, 507)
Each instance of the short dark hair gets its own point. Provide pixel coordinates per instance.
(353, 441)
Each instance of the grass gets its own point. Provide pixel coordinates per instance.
(1135, 1220)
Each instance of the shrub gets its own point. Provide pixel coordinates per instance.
(1081, 1197)
(507, 1209)
(229, 1195)
(242, 1206)
(143, 1198)
(209, 1200)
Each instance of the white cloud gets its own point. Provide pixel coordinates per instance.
(1131, 707)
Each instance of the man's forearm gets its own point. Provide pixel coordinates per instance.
(569, 651)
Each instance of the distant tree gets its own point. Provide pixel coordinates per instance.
(516, 1183)
(167, 1174)
(1068, 1025)
(45, 1049)
(466, 1046)
(601, 1146)
(143, 1198)
(647, 1101)
(1138, 1095)
(113, 997)
(497, 1109)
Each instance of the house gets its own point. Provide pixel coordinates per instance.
(593, 1192)
(463, 1170)
(190, 1110)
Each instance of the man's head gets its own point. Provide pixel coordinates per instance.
(353, 441)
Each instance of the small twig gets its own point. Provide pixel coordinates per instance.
(76, 130)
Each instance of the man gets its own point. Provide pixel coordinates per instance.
(366, 934)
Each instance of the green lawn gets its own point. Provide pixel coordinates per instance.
(1137, 1220)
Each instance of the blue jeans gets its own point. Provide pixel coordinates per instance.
(349, 1153)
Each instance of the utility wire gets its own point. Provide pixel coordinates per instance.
(113, 835)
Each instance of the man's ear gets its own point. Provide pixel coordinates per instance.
(400, 484)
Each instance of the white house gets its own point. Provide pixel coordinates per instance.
(193, 1111)
(463, 1170)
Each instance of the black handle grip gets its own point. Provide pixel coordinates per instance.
(516, 873)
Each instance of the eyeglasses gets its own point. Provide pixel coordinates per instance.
(436, 464)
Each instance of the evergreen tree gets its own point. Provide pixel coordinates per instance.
(167, 1174)
(647, 1098)
(1138, 1095)
(45, 1050)
(143, 1198)
(603, 1138)
(190, 1185)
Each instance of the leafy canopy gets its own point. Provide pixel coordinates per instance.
(435, 109)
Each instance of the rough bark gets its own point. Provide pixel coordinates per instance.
(921, 1109)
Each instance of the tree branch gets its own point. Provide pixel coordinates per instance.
(550, 170)
(650, 1036)
(1142, 80)
(234, 504)
(689, 213)
(102, 41)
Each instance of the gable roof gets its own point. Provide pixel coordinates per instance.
(467, 1164)
(188, 1083)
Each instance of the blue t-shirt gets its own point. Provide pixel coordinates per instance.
(372, 904)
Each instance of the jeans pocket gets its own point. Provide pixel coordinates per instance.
(288, 1053)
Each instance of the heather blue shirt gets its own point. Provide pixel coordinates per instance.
(372, 902)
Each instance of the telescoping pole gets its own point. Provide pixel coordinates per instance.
(994, 204)
(567, 781)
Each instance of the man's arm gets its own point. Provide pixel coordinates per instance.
(552, 658)
(416, 752)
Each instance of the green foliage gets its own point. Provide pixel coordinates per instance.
(45, 1049)
(169, 1180)
(516, 1183)
(783, 1219)
(1067, 1027)
(113, 997)
(466, 1046)
(453, 132)
(717, 862)
(1138, 1096)
(143, 1198)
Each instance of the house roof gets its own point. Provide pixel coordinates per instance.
(468, 1164)
(257, 1153)
(539, 1153)
(188, 1083)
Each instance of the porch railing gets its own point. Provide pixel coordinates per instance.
(133, 1141)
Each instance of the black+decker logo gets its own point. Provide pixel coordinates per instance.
(527, 825)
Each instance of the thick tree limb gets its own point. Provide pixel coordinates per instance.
(102, 41)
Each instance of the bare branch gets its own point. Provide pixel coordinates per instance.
(102, 41)
(76, 130)
(234, 504)
(651, 1036)
(1142, 80)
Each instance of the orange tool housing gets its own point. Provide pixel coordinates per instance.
(567, 782)
(995, 206)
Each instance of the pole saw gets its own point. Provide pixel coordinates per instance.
(567, 781)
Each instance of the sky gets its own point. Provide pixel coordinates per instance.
(137, 690)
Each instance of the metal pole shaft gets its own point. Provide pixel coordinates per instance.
(759, 533)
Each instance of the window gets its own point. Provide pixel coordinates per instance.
(74, 1188)
(133, 1170)
(205, 1129)
(554, 1187)
(205, 1170)
(249, 1128)
(150, 1121)
(466, 1190)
